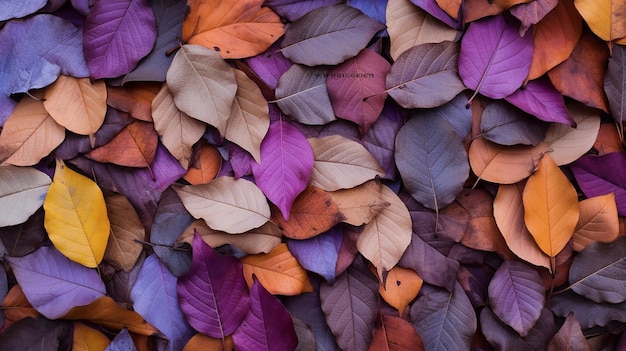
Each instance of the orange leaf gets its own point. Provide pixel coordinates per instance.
(313, 212)
(555, 37)
(598, 221)
(16, 306)
(88, 339)
(133, 146)
(107, 313)
(201, 342)
(134, 98)
(395, 334)
(278, 271)
(401, 287)
(236, 29)
(550, 207)
(608, 139)
(477, 9)
(606, 18)
(205, 165)
(451, 7)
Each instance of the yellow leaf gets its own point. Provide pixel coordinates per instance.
(401, 287)
(550, 207)
(76, 217)
(606, 18)
(88, 339)
(598, 221)
(201, 342)
(278, 271)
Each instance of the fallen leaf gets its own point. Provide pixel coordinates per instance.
(320, 253)
(16, 306)
(614, 88)
(605, 18)
(126, 227)
(204, 166)
(597, 175)
(504, 124)
(22, 192)
(85, 338)
(361, 204)
(531, 13)
(135, 99)
(542, 100)
(254, 241)
(395, 334)
(608, 139)
(570, 337)
(134, 146)
(207, 343)
(598, 221)
(401, 287)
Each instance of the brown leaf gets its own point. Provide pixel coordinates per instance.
(205, 165)
(122, 250)
(134, 98)
(598, 221)
(395, 334)
(258, 240)
(133, 146)
(313, 212)
(608, 139)
(477, 9)
(359, 205)
(570, 337)
(16, 307)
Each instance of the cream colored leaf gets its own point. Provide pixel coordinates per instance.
(126, 227)
(254, 241)
(341, 163)
(598, 221)
(359, 205)
(568, 144)
(249, 117)
(508, 211)
(22, 191)
(386, 237)
(409, 26)
(29, 134)
(203, 85)
(178, 131)
(227, 204)
(77, 104)
(504, 164)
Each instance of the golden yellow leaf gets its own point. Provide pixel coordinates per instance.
(278, 271)
(598, 221)
(201, 342)
(401, 287)
(550, 207)
(88, 339)
(606, 18)
(76, 217)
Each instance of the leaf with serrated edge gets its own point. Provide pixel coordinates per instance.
(22, 192)
(598, 221)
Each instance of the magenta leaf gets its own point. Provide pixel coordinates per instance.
(122, 342)
(540, 99)
(350, 304)
(286, 165)
(431, 265)
(356, 88)
(36, 50)
(434, 10)
(213, 294)
(53, 284)
(240, 161)
(118, 33)
(494, 60)
(502, 337)
(601, 175)
(19, 8)
(444, 320)
(267, 326)
(35, 334)
(319, 254)
(597, 272)
(517, 295)
(270, 65)
(154, 298)
(294, 9)
(588, 313)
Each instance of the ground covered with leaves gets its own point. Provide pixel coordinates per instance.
(313, 175)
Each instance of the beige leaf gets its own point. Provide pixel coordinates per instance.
(386, 237)
(122, 250)
(341, 163)
(203, 85)
(508, 211)
(22, 191)
(409, 26)
(29, 134)
(77, 104)
(360, 204)
(178, 131)
(504, 164)
(254, 241)
(568, 144)
(249, 117)
(598, 221)
(227, 204)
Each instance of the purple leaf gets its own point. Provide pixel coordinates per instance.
(454, 112)
(36, 50)
(7, 105)
(122, 342)
(588, 313)
(270, 65)
(18, 8)
(614, 84)
(83, 6)
(53, 284)
(540, 99)
(532, 12)
(294, 9)
(34, 334)
(240, 161)
(380, 138)
(350, 305)
(505, 124)
(22, 239)
(267, 326)
(319, 253)
(601, 175)
(504, 338)
(517, 295)
(213, 294)
(376, 9)
(154, 298)
(597, 273)
(434, 10)
(169, 16)
(444, 320)
(494, 60)
(4, 289)
(475, 281)
(120, 283)
(431, 265)
(118, 33)
(286, 165)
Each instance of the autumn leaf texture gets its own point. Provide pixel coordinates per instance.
(280, 175)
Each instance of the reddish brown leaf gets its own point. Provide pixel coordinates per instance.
(395, 334)
(16, 307)
(134, 146)
(570, 337)
(134, 98)
(206, 163)
(608, 139)
(477, 9)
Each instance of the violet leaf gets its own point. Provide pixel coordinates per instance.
(17, 8)
(597, 175)
(502, 337)
(319, 254)
(294, 9)
(270, 65)
(22, 239)
(540, 99)
(122, 342)
(34, 334)
(434, 10)
(505, 124)
(588, 313)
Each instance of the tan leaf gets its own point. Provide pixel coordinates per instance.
(504, 164)
(77, 104)
(359, 205)
(29, 134)
(254, 241)
(178, 131)
(598, 221)
(249, 118)
(341, 163)
(122, 250)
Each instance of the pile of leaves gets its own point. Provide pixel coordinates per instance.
(313, 175)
